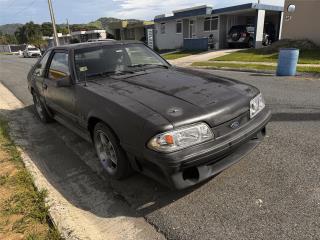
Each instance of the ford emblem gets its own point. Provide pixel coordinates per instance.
(235, 125)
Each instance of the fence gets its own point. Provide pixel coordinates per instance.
(12, 48)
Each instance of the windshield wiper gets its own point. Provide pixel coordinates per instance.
(148, 65)
(108, 73)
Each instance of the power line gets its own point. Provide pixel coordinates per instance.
(11, 4)
(21, 10)
(30, 5)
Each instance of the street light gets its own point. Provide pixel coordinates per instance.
(53, 20)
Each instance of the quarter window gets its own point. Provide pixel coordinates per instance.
(179, 26)
(59, 67)
(41, 67)
(163, 28)
(211, 24)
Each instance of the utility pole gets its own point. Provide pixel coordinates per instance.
(53, 20)
(68, 26)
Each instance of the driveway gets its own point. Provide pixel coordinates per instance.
(272, 193)
(201, 57)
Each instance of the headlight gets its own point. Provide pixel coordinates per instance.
(181, 138)
(256, 105)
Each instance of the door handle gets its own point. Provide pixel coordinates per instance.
(45, 86)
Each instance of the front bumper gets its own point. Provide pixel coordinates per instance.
(34, 55)
(193, 165)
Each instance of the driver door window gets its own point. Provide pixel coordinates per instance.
(59, 67)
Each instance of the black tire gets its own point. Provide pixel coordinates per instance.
(115, 162)
(40, 110)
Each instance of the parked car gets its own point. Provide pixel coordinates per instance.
(31, 51)
(243, 35)
(175, 125)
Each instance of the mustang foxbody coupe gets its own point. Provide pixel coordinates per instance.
(175, 125)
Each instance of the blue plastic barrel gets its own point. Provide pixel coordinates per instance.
(287, 63)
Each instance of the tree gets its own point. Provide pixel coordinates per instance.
(46, 29)
(7, 39)
(37, 41)
(30, 32)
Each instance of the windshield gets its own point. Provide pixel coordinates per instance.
(33, 49)
(115, 59)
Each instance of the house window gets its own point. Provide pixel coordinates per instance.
(214, 23)
(163, 28)
(211, 24)
(179, 26)
(207, 23)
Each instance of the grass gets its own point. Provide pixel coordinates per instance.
(23, 212)
(233, 66)
(5, 53)
(181, 54)
(239, 66)
(308, 56)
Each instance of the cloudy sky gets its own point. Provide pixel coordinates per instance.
(82, 11)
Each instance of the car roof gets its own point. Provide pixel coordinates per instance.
(94, 44)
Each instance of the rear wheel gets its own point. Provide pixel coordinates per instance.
(112, 157)
(40, 109)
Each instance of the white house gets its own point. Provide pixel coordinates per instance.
(204, 21)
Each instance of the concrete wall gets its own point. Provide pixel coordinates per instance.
(5, 48)
(170, 39)
(304, 22)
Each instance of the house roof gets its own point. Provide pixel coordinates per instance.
(247, 6)
(205, 10)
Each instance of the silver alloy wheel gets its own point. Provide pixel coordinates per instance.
(39, 107)
(106, 153)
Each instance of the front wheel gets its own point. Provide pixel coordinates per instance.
(40, 109)
(112, 157)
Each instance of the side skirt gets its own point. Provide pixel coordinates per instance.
(81, 132)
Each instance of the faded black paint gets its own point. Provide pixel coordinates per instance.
(139, 106)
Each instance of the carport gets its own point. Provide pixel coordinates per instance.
(257, 15)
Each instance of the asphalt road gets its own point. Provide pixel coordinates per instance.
(273, 193)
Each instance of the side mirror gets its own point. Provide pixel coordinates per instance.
(291, 8)
(39, 65)
(38, 72)
(63, 82)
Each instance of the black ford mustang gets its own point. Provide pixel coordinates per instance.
(177, 126)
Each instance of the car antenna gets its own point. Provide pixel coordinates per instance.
(84, 70)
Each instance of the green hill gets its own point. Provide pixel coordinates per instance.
(10, 28)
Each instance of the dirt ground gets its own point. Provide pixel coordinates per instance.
(23, 214)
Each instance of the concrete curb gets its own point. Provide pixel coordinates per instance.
(73, 223)
(299, 74)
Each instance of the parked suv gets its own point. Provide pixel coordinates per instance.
(31, 51)
(243, 35)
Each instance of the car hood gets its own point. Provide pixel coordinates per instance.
(184, 96)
